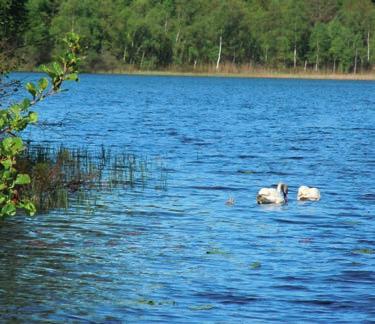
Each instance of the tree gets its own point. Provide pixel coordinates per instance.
(296, 25)
(359, 17)
(17, 117)
(152, 34)
(319, 45)
(12, 26)
(38, 38)
(322, 11)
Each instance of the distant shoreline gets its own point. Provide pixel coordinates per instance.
(309, 75)
(368, 76)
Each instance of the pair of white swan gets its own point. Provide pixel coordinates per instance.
(279, 195)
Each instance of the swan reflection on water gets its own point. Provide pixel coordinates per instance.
(273, 207)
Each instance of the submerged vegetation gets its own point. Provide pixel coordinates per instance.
(60, 175)
(227, 36)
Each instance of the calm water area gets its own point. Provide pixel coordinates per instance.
(177, 253)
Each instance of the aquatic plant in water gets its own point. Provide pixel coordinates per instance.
(60, 174)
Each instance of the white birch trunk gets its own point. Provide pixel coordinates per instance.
(178, 35)
(219, 54)
(355, 61)
(143, 56)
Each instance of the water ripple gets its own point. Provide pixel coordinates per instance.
(179, 253)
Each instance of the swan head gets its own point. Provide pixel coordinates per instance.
(283, 188)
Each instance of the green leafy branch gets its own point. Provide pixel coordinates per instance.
(18, 116)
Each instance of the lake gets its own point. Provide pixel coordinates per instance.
(178, 253)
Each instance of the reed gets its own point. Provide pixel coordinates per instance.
(228, 69)
(61, 175)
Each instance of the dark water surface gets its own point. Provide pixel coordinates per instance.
(181, 254)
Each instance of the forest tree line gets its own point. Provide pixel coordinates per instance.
(320, 35)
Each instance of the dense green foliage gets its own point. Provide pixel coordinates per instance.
(17, 117)
(335, 35)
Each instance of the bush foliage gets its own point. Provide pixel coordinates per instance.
(18, 116)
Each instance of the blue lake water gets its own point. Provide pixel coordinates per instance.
(180, 254)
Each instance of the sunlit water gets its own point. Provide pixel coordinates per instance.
(181, 254)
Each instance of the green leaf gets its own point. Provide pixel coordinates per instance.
(9, 209)
(7, 175)
(30, 87)
(17, 143)
(7, 163)
(13, 145)
(15, 109)
(22, 179)
(25, 104)
(33, 117)
(20, 123)
(43, 84)
(48, 70)
(2, 121)
(29, 207)
(72, 77)
(57, 68)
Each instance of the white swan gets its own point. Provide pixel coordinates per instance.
(307, 193)
(272, 195)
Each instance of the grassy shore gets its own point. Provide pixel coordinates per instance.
(232, 71)
(244, 72)
(272, 75)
